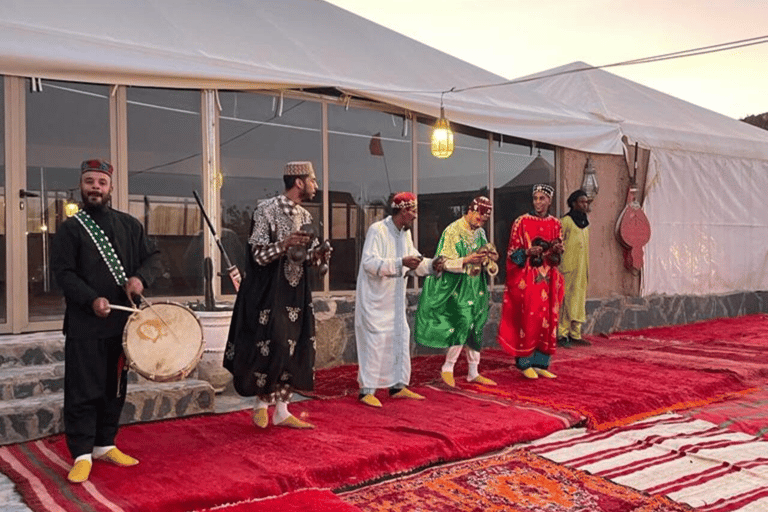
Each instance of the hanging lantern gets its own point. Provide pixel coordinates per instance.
(218, 180)
(589, 183)
(442, 137)
(70, 206)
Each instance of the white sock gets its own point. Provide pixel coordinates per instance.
(98, 451)
(472, 372)
(451, 357)
(473, 360)
(86, 456)
(281, 412)
(260, 404)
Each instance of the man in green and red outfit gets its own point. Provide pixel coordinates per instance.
(534, 288)
(453, 306)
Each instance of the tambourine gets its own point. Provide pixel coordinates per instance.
(162, 341)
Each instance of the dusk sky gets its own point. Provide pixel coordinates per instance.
(514, 38)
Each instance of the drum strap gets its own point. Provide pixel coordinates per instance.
(104, 245)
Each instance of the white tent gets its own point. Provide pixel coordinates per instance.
(274, 44)
(709, 230)
(706, 184)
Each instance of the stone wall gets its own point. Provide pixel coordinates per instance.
(336, 318)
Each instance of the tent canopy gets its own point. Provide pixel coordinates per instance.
(649, 117)
(706, 174)
(706, 182)
(275, 44)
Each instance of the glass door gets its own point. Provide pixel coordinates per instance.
(3, 230)
(66, 124)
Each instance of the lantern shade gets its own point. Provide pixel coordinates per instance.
(442, 139)
(71, 208)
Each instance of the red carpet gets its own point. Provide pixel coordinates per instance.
(342, 380)
(209, 461)
(516, 481)
(748, 330)
(201, 462)
(307, 500)
(611, 391)
(736, 344)
(747, 413)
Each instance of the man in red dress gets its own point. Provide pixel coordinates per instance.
(534, 288)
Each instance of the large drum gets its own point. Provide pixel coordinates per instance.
(163, 341)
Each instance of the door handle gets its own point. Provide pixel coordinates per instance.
(26, 193)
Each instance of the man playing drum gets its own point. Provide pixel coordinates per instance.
(100, 257)
(271, 345)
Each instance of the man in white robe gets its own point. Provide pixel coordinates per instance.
(381, 328)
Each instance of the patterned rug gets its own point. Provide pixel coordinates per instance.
(514, 481)
(689, 460)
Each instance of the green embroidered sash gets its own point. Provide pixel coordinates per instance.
(104, 246)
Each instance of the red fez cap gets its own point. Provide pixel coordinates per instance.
(403, 200)
(481, 204)
(97, 165)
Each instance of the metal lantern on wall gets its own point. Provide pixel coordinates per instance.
(70, 206)
(442, 137)
(589, 183)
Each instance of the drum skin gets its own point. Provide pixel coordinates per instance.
(163, 341)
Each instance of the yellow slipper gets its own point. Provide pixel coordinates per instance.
(530, 373)
(260, 417)
(115, 456)
(407, 393)
(294, 422)
(79, 472)
(545, 373)
(370, 400)
(483, 380)
(448, 378)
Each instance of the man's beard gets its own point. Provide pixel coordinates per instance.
(93, 201)
(306, 196)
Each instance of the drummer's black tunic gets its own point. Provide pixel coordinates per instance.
(93, 345)
(271, 344)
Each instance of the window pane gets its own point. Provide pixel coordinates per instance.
(66, 124)
(258, 137)
(369, 159)
(3, 230)
(516, 171)
(164, 167)
(447, 186)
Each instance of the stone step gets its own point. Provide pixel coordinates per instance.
(23, 419)
(31, 349)
(27, 381)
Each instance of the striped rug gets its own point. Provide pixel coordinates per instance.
(690, 460)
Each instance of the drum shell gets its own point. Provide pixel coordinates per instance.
(164, 342)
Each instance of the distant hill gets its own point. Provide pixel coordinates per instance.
(759, 120)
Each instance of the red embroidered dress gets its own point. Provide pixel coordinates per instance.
(533, 295)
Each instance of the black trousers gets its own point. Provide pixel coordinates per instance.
(92, 406)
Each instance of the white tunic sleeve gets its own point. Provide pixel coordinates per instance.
(377, 257)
